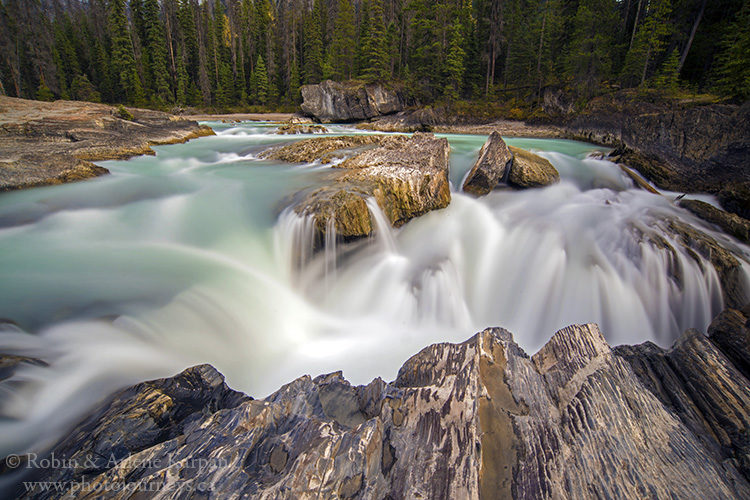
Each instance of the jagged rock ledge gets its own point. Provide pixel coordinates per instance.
(331, 101)
(55, 142)
(480, 419)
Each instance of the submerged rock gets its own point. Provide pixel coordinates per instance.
(406, 176)
(529, 170)
(55, 142)
(331, 101)
(490, 168)
(470, 420)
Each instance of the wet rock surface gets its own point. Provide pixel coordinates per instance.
(480, 419)
(56, 142)
(679, 146)
(301, 128)
(405, 176)
(490, 168)
(729, 222)
(331, 101)
(529, 170)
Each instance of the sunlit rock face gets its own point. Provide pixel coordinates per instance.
(480, 419)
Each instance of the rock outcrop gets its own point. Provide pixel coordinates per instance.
(331, 101)
(730, 223)
(406, 176)
(490, 167)
(301, 128)
(684, 147)
(55, 142)
(529, 170)
(480, 419)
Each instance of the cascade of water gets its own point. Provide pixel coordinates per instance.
(197, 267)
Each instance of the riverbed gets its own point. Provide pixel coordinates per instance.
(190, 257)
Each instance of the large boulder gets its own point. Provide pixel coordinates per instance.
(529, 170)
(490, 168)
(406, 176)
(331, 101)
(479, 419)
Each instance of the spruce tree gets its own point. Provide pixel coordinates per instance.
(343, 51)
(155, 53)
(259, 82)
(127, 84)
(734, 61)
(454, 63)
(313, 45)
(376, 51)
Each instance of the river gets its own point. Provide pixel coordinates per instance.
(189, 257)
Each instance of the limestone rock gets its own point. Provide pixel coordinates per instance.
(470, 420)
(490, 168)
(406, 176)
(55, 142)
(529, 170)
(331, 101)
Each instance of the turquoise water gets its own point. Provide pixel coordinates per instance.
(188, 257)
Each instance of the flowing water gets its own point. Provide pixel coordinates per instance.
(189, 257)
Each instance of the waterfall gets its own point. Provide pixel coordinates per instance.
(187, 257)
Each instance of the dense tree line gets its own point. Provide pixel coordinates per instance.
(239, 52)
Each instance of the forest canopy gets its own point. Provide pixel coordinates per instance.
(229, 53)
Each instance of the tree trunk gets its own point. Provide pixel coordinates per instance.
(686, 50)
(539, 57)
(635, 23)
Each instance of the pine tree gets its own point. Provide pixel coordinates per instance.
(127, 84)
(589, 58)
(342, 51)
(649, 42)
(454, 63)
(313, 45)
(294, 82)
(668, 77)
(155, 53)
(376, 49)
(734, 61)
(259, 82)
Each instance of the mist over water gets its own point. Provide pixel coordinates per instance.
(189, 257)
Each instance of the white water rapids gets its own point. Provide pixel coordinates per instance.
(188, 257)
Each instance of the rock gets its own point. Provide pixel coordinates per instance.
(328, 149)
(331, 101)
(470, 420)
(730, 223)
(55, 142)
(406, 177)
(490, 168)
(301, 128)
(529, 170)
(680, 146)
(556, 103)
(727, 266)
(729, 331)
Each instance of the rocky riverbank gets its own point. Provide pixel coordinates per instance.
(56, 142)
(680, 146)
(470, 420)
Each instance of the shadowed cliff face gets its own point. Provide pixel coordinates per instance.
(480, 419)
